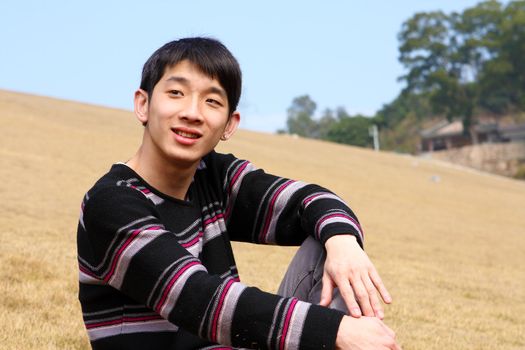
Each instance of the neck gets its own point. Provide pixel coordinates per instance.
(173, 180)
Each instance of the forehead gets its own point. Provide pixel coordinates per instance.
(189, 71)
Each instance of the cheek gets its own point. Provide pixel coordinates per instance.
(218, 121)
(162, 111)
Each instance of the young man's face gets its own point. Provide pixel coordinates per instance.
(186, 115)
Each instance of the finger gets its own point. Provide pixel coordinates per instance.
(376, 279)
(327, 291)
(348, 296)
(362, 297)
(374, 300)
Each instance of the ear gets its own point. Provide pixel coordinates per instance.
(231, 126)
(141, 106)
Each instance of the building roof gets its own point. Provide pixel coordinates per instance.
(513, 131)
(443, 128)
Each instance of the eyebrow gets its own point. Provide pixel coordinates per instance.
(185, 81)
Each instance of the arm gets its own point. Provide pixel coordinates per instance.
(263, 208)
(267, 209)
(124, 244)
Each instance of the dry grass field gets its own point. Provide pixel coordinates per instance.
(449, 242)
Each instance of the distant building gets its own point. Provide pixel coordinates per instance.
(446, 135)
(513, 133)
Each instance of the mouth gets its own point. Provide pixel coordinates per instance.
(189, 134)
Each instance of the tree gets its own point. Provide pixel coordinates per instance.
(469, 60)
(502, 80)
(300, 115)
(325, 123)
(350, 130)
(393, 113)
(432, 52)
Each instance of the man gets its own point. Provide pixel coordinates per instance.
(156, 265)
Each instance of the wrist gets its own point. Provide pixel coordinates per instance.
(337, 240)
(340, 339)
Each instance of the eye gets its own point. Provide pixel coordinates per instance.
(214, 102)
(175, 93)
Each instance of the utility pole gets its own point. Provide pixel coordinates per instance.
(374, 133)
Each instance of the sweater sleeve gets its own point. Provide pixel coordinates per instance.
(123, 243)
(267, 209)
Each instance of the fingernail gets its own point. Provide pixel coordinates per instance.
(380, 315)
(356, 311)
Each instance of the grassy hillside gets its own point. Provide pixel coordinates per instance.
(448, 242)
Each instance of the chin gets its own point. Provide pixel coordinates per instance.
(184, 159)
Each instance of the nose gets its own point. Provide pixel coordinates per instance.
(191, 111)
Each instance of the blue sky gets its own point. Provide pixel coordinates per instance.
(341, 53)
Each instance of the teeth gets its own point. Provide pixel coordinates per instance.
(186, 134)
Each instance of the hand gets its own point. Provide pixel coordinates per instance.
(348, 267)
(365, 333)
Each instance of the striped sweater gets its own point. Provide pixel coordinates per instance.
(159, 273)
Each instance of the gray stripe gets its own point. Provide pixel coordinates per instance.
(94, 313)
(113, 243)
(188, 229)
(270, 189)
(283, 320)
(161, 279)
(139, 242)
(210, 311)
(213, 230)
(279, 205)
(126, 328)
(295, 327)
(176, 289)
(195, 234)
(235, 188)
(274, 322)
(224, 324)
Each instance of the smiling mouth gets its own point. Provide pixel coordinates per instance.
(186, 134)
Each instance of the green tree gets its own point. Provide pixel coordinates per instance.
(300, 117)
(393, 113)
(502, 80)
(469, 60)
(350, 130)
(431, 51)
(325, 123)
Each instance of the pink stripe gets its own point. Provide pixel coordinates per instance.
(270, 209)
(193, 241)
(218, 311)
(122, 320)
(101, 324)
(126, 244)
(230, 187)
(334, 216)
(86, 271)
(236, 176)
(171, 283)
(309, 199)
(287, 323)
(146, 191)
(213, 219)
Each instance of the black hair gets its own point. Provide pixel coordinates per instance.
(209, 55)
